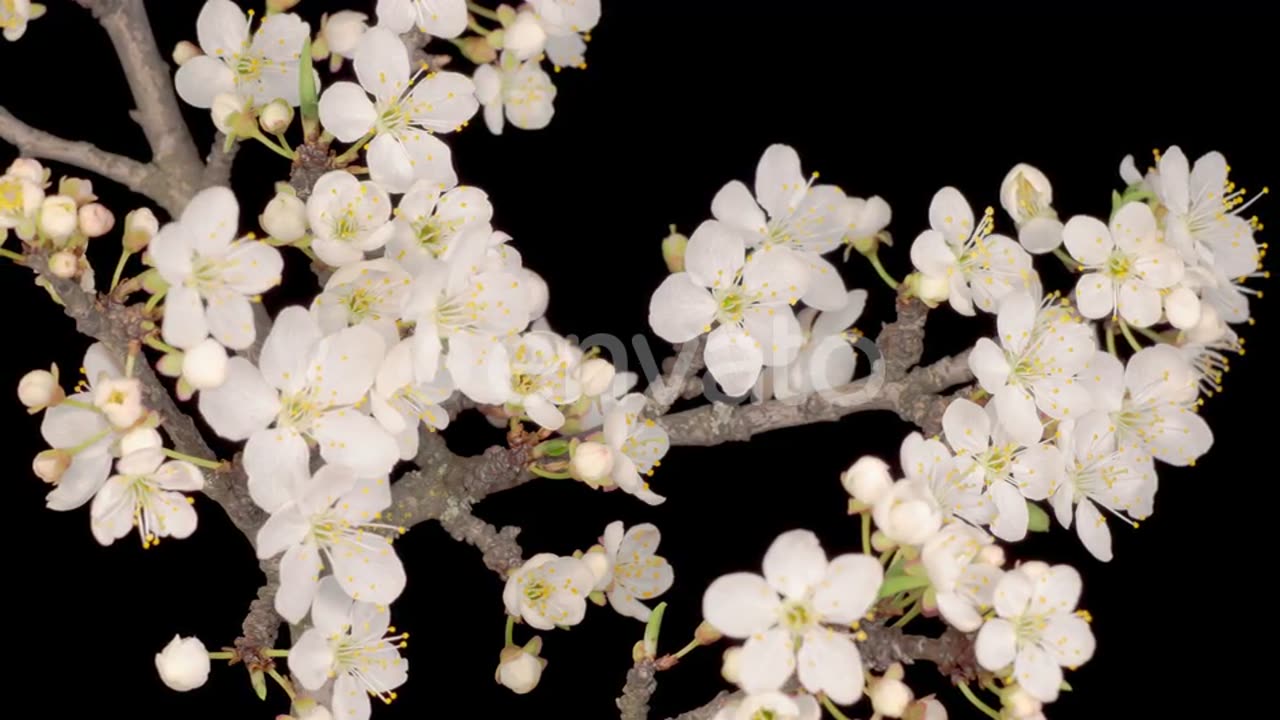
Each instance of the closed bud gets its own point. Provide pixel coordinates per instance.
(170, 365)
(1182, 307)
(49, 465)
(276, 117)
(40, 389)
(1021, 705)
(185, 51)
(58, 218)
(535, 289)
(889, 697)
(1209, 326)
(95, 220)
(525, 36)
(478, 50)
(992, 555)
(591, 461)
(518, 670)
(596, 375)
(868, 479)
(204, 366)
(342, 31)
(64, 264)
(1026, 193)
(706, 633)
(908, 513)
(225, 108)
(285, 218)
(78, 189)
(926, 709)
(143, 438)
(139, 227)
(597, 560)
(673, 247)
(29, 169)
(931, 289)
(729, 666)
(183, 664)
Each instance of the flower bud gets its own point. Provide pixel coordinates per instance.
(992, 555)
(519, 671)
(29, 169)
(1026, 193)
(342, 31)
(591, 461)
(78, 189)
(58, 217)
(64, 264)
(673, 247)
(525, 36)
(1021, 705)
(1182, 307)
(226, 107)
(932, 289)
(204, 366)
(889, 697)
(535, 289)
(1033, 569)
(183, 664)
(139, 227)
(601, 567)
(868, 479)
(908, 513)
(731, 664)
(143, 438)
(40, 389)
(596, 375)
(120, 399)
(184, 51)
(285, 218)
(95, 220)
(276, 117)
(926, 709)
(478, 50)
(49, 465)
(706, 633)
(279, 6)
(1209, 326)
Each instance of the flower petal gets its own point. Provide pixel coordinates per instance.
(779, 182)
(1013, 594)
(369, 571)
(996, 644)
(1038, 673)
(348, 437)
(300, 569)
(281, 531)
(714, 255)
(230, 318)
(951, 215)
(734, 359)
(766, 661)
(1087, 239)
(276, 462)
(931, 254)
(203, 78)
(1018, 414)
(735, 207)
(1139, 304)
(243, 404)
(740, 605)
(966, 426)
(1068, 640)
(848, 588)
(346, 111)
(288, 348)
(795, 563)
(184, 320)
(830, 663)
(311, 658)
(382, 63)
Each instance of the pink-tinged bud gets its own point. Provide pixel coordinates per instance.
(95, 220)
(39, 389)
(49, 465)
(279, 6)
(889, 697)
(591, 461)
(64, 264)
(29, 169)
(673, 247)
(992, 555)
(58, 218)
(185, 51)
(276, 117)
(932, 289)
(78, 189)
(1021, 705)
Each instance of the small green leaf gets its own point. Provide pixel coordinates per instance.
(1116, 201)
(652, 629)
(901, 583)
(1037, 518)
(307, 92)
(259, 681)
(1066, 686)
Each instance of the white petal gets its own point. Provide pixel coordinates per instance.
(1058, 590)
(300, 568)
(1133, 228)
(1161, 267)
(430, 159)
(950, 214)
(776, 274)
(350, 699)
(848, 588)
(777, 332)
(1087, 239)
(958, 612)
(346, 111)
(184, 322)
(230, 318)
(681, 309)
(1016, 320)
(1095, 295)
(255, 267)
(1038, 673)
(1010, 523)
(276, 462)
(333, 609)
(996, 644)
(66, 426)
(795, 563)
(203, 78)
(347, 437)
(382, 63)
(390, 164)
(1069, 640)
(281, 531)
(443, 101)
(397, 16)
(825, 290)
(311, 658)
(1041, 235)
(243, 404)
(967, 426)
(178, 475)
(779, 181)
(734, 359)
(837, 321)
(287, 348)
(480, 367)
(212, 217)
(369, 572)
(1139, 304)
(714, 255)
(830, 663)
(1012, 594)
(345, 365)
(766, 661)
(319, 493)
(740, 605)
(931, 254)
(80, 481)
(735, 207)
(221, 28)
(1092, 528)
(543, 411)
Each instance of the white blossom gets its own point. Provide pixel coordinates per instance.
(931, 472)
(212, 276)
(962, 584)
(401, 400)
(372, 293)
(403, 115)
(183, 664)
(1027, 196)
(58, 218)
(867, 479)
(258, 68)
(348, 217)
(637, 572)
(519, 670)
(1035, 630)
(304, 387)
(146, 493)
(981, 268)
(826, 359)
(549, 591)
(348, 644)
(524, 37)
(638, 446)
(21, 194)
(332, 518)
(1125, 265)
(596, 376)
(782, 616)
(430, 220)
(591, 462)
(1203, 220)
(521, 92)
(438, 18)
(565, 21)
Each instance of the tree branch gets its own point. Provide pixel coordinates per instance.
(664, 393)
(142, 178)
(217, 169)
(148, 74)
(633, 704)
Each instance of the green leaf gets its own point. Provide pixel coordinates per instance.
(258, 679)
(652, 629)
(901, 583)
(1037, 518)
(308, 92)
(1116, 201)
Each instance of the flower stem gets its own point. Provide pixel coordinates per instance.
(352, 152)
(985, 708)
(221, 655)
(283, 683)
(1066, 259)
(115, 277)
(687, 648)
(548, 473)
(155, 300)
(1111, 340)
(884, 274)
(479, 29)
(866, 533)
(1151, 335)
(274, 147)
(156, 343)
(511, 630)
(831, 707)
(202, 462)
(911, 615)
(483, 12)
(88, 442)
(284, 142)
(1128, 335)
(277, 653)
(16, 257)
(78, 404)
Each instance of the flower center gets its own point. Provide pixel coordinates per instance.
(524, 384)
(732, 302)
(346, 227)
(394, 117)
(298, 410)
(1119, 266)
(10, 191)
(249, 67)
(536, 591)
(1027, 628)
(206, 273)
(765, 714)
(798, 616)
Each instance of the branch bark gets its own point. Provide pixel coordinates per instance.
(663, 394)
(633, 704)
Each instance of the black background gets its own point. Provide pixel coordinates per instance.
(679, 98)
